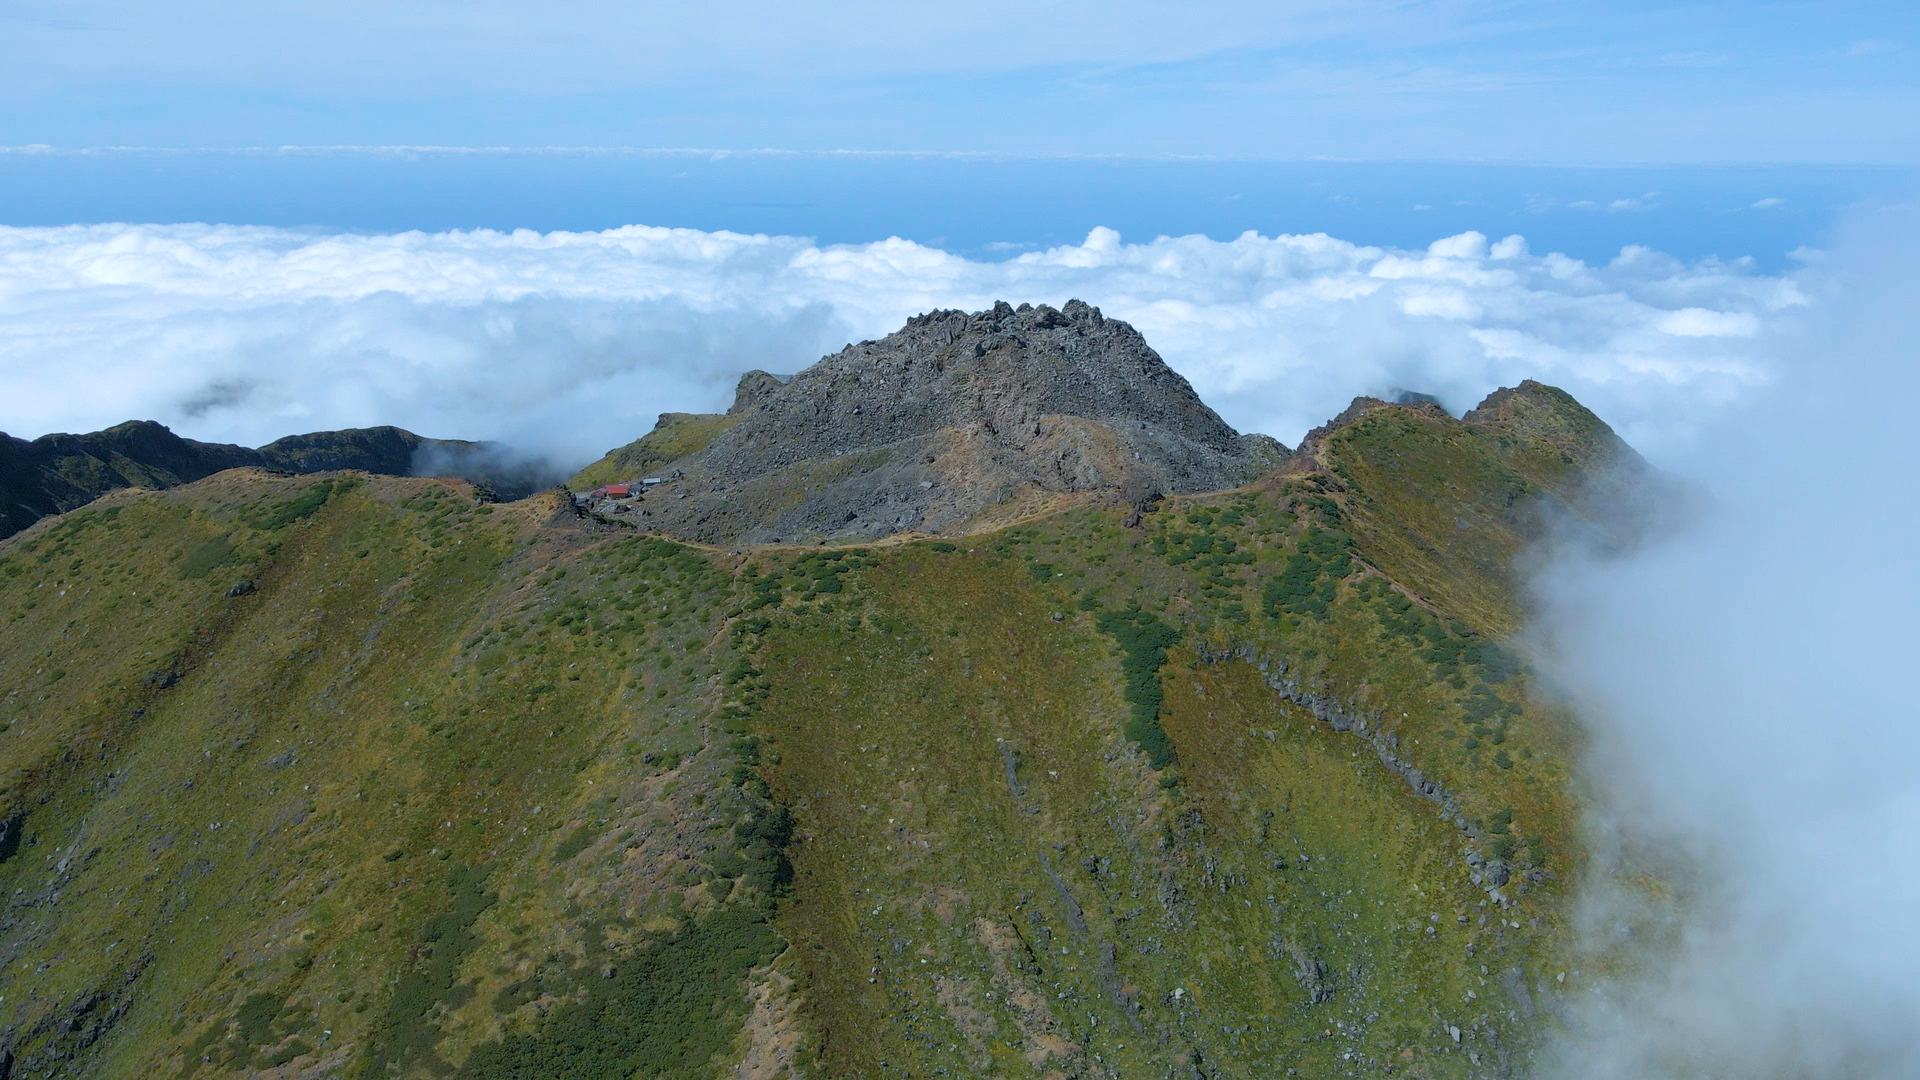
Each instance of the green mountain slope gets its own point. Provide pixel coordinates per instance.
(357, 775)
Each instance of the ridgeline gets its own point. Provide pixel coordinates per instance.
(56, 473)
(1063, 731)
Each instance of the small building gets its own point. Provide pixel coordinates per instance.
(652, 480)
(616, 491)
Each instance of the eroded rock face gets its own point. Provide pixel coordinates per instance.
(951, 416)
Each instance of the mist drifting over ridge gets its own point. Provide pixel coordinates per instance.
(1753, 726)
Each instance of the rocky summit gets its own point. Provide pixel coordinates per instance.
(950, 419)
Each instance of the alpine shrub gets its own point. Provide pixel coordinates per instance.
(1143, 641)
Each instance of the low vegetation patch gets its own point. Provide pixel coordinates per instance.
(1143, 641)
(301, 506)
(667, 1009)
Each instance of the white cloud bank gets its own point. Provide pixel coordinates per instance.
(1747, 687)
(572, 342)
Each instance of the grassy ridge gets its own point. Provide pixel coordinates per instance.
(991, 881)
(342, 789)
(359, 776)
(1245, 885)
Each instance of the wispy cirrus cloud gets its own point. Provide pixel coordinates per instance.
(1379, 79)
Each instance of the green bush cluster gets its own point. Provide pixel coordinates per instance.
(1211, 549)
(821, 573)
(671, 1006)
(1007, 545)
(442, 511)
(262, 1021)
(1211, 546)
(666, 1010)
(1143, 641)
(253, 1021)
(404, 1036)
(639, 596)
(1451, 646)
(1484, 706)
(576, 842)
(1308, 582)
(810, 576)
(1216, 550)
(303, 505)
(1319, 502)
(760, 857)
(763, 590)
(1503, 845)
(1496, 664)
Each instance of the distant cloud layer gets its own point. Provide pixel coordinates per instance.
(572, 342)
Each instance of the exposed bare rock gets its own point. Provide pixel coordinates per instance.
(954, 414)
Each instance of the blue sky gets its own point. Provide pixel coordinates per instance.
(1473, 80)
(1729, 129)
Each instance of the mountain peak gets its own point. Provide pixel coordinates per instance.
(952, 414)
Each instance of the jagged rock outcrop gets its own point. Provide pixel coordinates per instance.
(56, 473)
(948, 418)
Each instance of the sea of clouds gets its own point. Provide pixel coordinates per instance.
(568, 343)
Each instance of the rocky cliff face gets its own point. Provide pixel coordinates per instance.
(955, 414)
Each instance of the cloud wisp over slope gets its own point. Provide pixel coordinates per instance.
(1753, 729)
(571, 342)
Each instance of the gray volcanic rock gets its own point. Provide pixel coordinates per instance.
(954, 416)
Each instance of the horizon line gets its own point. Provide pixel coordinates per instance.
(450, 150)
